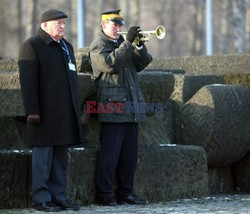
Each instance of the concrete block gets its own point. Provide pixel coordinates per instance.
(220, 180)
(15, 180)
(8, 65)
(204, 65)
(11, 104)
(163, 173)
(158, 128)
(156, 86)
(217, 117)
(13, 133)
(241, 173)
(185, 87)
(81, 175)
(171, 172)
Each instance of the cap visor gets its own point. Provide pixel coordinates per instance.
(119, 22)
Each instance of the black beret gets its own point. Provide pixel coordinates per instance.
(52, 15)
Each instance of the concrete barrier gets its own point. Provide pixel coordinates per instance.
(217, 117)
(178, 172)
(15, 179)
(172, 81)
(156, 86)
(241, 173)
(204, 65)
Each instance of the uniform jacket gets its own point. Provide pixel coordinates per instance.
(115, 68)
(51, 90)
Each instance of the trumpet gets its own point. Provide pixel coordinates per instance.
(145, 36)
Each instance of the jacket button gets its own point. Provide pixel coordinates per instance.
(124, 99)
(126, 69)
(109, 99)
(131, 87)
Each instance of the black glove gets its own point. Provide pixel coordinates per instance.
(132, 33)
(141, 43)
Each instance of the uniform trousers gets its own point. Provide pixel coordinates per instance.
(49, 171)
(117, 156)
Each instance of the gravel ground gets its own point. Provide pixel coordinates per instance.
(225, 204)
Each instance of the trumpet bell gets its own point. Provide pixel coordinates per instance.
(160, 32)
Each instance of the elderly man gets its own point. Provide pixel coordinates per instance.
(115, 64)
(49, 87)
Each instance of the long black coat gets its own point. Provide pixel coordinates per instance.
(51, 90)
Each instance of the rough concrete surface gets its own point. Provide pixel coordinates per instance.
(242, 173)
(203, 65)
(217, 118)
(178, 172)
(219, 204)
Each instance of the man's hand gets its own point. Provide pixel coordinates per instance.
(132, 33)
(141, 43)
(33, 118)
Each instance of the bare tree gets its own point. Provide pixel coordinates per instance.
(31, 25)
(99, 10)
(184, 21)
(126, 5)
(247, 31)
(20, 23)
(198, 27)
(2, 26)
(69, 4)
(227, 31)
(162, 13)
(135, 12)
(239, 11)
(171, 32)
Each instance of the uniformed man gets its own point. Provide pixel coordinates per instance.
(115, 64)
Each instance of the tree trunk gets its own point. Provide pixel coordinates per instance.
(239, 12)
(198, 27)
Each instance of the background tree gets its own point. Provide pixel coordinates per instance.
(184, 21)
(239, 11)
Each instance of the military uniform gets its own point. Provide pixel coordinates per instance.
(115, 66)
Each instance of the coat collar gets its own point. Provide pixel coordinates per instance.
(106, 38)
(45, 36)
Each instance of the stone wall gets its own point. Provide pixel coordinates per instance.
(167, 169)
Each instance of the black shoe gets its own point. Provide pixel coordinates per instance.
(66, 205)
(131, 199)
(47, 207)
(105, 201)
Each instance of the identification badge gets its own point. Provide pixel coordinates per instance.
(72, 67)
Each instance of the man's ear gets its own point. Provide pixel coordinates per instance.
(103, 24)
(44, 25)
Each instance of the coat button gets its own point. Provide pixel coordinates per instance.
(109, 99)
(124, 99)
(131, 87)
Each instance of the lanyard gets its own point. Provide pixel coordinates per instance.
(65, 48)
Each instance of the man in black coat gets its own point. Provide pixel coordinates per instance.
(115, 64)
(50, 91)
